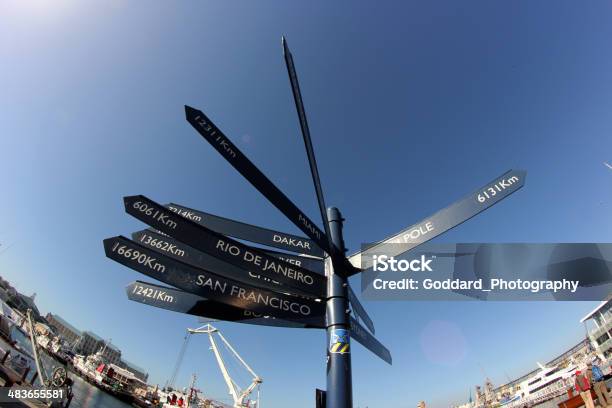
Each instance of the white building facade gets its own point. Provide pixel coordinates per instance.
(599, 327)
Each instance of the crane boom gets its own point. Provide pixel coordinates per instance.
(236, 354)
(228, 380)
(237, 394)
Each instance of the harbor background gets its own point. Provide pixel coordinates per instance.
(87, 396)
(434, 99)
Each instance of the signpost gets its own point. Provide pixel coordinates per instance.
(445, 219)
(368, 341)
(339, 374)
(360, 310)
(312, 264)
(231, 251)
(198, 259)
(312, 162)
(240, 230)
(210, 285)
(184, 302)
(216, 277)
(240, 162)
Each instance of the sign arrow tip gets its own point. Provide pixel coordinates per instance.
(129, 288)
(128, 199)
(190, 112)
(107, 245)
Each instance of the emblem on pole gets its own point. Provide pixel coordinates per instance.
(340, 342)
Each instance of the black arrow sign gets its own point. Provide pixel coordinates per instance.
(306, 262)
(183, 302)
(445, 219)
(249, 232)
(368, 341)
(185, 253)
(224, 248)
(209, 285)
(240, 162)
(360, 310)
(198, 259)
(314, 170)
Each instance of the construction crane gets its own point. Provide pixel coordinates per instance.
(238, 395)
(179, 362)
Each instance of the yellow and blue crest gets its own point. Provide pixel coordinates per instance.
(340, 342)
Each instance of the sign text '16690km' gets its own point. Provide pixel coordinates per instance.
(139, 257)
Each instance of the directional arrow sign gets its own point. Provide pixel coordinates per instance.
(342, 265)
(240, 162)
(184, 253)
(314, 170)
(198, 259)
(183, 302)
(312, 264)
(248, 232)
(224, 248)
(368, 341)
(209, 285)
(445, 219)
(360, 310)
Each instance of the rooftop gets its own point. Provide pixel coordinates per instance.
(92, 335)
(66, 324)
(100, 339)
(597, 309)
(122, 371)
(112, 346)
(134, 366)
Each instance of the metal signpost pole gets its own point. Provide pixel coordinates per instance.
(196, 256)
(339, 379)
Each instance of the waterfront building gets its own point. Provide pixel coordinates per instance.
(91, 343)
(138, 372)
(111, 353)
(598, 324)
(64, 329)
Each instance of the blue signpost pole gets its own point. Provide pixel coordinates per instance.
(339, 378)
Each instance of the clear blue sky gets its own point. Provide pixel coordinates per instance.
(412, 105)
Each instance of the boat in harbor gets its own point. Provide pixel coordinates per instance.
(192, 398)
(544, 384)
(110, 378)
(546, 377)
(118, 381)
(85, 366)
(507, 400)
(54, 347)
